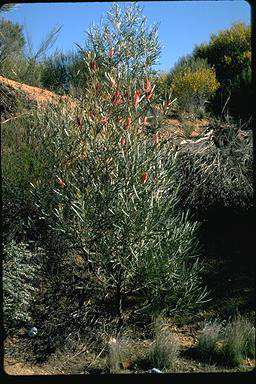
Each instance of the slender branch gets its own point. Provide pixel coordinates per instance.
(16, 117)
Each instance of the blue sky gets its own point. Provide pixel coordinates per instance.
(183, 24)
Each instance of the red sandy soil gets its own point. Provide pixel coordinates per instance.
(41, 96)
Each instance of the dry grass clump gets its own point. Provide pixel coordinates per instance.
(227, 345)
(208, 338)
(216, 171)
(239, 341)
(164, 349)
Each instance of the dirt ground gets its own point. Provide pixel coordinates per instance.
(14, 368)
(41, 96)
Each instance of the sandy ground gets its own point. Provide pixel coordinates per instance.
(40, 95)
(14, 368)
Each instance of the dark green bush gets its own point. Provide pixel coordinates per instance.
(230, 53)
(61, 73)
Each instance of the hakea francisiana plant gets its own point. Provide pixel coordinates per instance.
(121, 198)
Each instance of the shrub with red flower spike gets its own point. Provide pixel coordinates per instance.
(129, 121)
(145, 178)
(111, 52)
(60, 182)
(148, 89)
(93, 66)
(117, 98)
(123, 141)
(137, 98)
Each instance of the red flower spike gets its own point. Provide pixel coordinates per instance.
(145, 121)
(137, 98)
(97, 86)
(93, 66)
(91, 116)
(148, 97)
(127, 95)
(129, 121)
(156, 138)
(117, 98)
(104, 120)
(148, 90)
(123, 141)
(111, 52)
(112, 82)
(145, 178)
(78, 121)
(147, 87)
(60, 182)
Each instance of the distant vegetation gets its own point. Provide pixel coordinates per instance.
(215, 77)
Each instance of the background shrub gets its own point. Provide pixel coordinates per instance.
(193, 82)
(163, 91)
(64, 73)
(229, 52)
(12, 40)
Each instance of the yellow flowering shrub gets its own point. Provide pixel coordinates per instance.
(194, 87)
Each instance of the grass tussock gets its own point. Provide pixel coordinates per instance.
(227, 345)
(239, 341)
(207, 340)
(164, 349)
